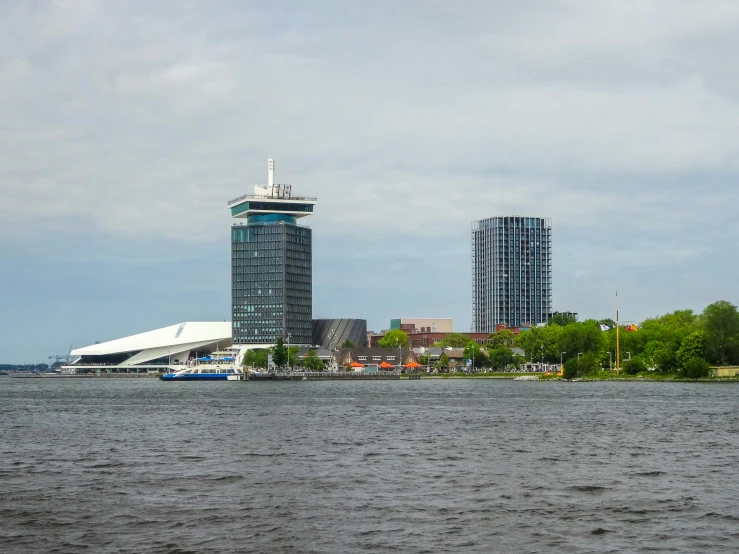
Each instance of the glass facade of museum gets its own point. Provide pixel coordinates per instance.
(511, 272)
(271, 282)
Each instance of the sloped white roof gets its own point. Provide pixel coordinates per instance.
(179, 335)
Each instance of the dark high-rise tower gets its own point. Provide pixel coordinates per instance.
(271, 266)
(511, 272)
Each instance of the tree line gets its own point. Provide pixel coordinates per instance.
(681, 342)
(282, 357)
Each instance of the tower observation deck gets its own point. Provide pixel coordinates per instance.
(271, 263)
(271, 204)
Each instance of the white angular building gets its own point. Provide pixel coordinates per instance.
(157, 350)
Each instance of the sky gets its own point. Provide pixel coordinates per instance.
(126, 127)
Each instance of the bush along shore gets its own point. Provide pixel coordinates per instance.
(653, 377)
(680, 345)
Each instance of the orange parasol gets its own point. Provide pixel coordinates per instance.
(385, 365)
(412, 364)
(356, 364)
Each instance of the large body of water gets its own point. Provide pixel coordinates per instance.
(136, 465)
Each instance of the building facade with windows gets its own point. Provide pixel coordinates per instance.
(271, 266)
(511, 272)
(422, 324)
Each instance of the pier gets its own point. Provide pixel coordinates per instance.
(330, 376)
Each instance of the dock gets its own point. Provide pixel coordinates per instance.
(331, 376)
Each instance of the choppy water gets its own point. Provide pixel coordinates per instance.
(135, 465)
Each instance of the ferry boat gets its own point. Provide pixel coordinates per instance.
(219, 366)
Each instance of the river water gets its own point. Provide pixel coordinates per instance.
(137, 465)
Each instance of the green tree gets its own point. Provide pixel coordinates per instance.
(581, 338)
(347, 344)
(501, 338)
(541, 341)
(665, 358)
(443, 362)
(695, 368)
(256, 358)
(279, 353)
(312, 361)
(292, 356)
(587, 363)
(472, 351)
(562, 320)
(394, 339)
(634, 366)
(569, 371)
(720, 321)
(500, 358)
(453, 340)
(691, 347)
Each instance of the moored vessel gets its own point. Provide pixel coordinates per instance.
(219, 366)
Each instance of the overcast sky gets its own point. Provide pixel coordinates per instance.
(125, 127)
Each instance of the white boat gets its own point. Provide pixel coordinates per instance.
(219, 366)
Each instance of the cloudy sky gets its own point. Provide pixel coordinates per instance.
(126, 126)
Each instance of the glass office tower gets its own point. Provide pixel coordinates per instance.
(271, 266)
(511, 272)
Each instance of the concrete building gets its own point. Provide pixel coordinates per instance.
(333, 333)
(511, 272)
(272, 265)
(422, 324)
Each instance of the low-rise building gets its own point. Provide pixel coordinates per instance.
(422, 324)
(371, 358)
(725, 371)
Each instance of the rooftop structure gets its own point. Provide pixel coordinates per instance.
(273, 203)
(422, 324)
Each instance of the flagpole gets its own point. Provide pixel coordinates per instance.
(617, 345)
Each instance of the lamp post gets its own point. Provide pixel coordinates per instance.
(561, 354)
(541, 366)
(288, 350)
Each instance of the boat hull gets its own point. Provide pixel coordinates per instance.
(195, 377)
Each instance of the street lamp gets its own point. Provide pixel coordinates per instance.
(541, 366)
(288, 350)
(561, 354)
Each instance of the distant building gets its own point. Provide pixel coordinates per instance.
(422, 325)
(373, 357)
(333, 333)
(427, 340)
(271, 266)
(511, 272)
(568, 315)
(725, 371)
